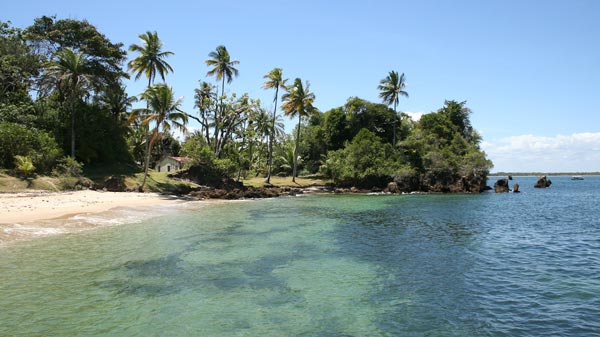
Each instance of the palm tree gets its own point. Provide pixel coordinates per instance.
(115, 100)
(298, 101)
(164, 111)
(151, 59)
(391, 88)
(223, 68)
(71, 76)
(274, 80)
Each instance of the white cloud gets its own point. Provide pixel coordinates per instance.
(415, 115)
(578, 152)
(177, 134)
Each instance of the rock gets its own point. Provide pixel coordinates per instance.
(407, 181)
(516, 188)
(84, 183)
(393, 187)
(115, 184)
(501, 186)
(354, 189)
(295, 191)
(543, 182)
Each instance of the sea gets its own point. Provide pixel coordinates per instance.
(513, 264)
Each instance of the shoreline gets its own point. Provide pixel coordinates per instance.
(26, 215)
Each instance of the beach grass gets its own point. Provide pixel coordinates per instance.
(156, 182)
(160, 182)
(285, 181)
(10, 184)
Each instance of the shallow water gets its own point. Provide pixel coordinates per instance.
(523, 264)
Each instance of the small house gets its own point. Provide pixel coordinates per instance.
(171, 164)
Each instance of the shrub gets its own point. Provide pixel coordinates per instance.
(68, 166)
(17, 140)
(24, 166)
(364, 162)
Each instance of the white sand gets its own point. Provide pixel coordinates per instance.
(28, 207)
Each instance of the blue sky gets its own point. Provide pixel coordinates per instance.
(529, 70)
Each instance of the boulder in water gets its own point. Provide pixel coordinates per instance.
(516, 188)
(501, 186)
(543, 182)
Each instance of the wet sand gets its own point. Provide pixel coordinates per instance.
(20, 212)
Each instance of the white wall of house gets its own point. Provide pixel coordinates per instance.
(168, 165)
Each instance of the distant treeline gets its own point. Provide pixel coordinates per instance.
(537, 174)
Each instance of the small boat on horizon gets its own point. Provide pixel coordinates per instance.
(577, 178)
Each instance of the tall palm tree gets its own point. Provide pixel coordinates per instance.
(71, 76)
(298, 101)
(164, 111)
(223, 68)
(391, 88)
(274, 80)
(151, 59)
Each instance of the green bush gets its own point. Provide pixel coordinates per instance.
(364, 162)
(68, 166)
(24, 166)
(17, 140)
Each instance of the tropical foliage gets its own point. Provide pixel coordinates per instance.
(62, 92)
(274, 80)
(164, 112)
(298, 101)
(391, 88)
(151, 59)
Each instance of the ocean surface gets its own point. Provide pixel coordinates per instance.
(525, 264)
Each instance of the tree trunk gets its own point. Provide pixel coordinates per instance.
(394, 127)
(271, 136)
(218, 120)
(148, 152)
(240, 156)
(295, 172)
(73, 130)
(205, 125)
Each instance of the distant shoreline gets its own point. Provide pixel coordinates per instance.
(537, 174)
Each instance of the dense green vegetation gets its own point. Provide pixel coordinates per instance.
(63, 106)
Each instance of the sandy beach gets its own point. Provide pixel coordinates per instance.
(30, 207)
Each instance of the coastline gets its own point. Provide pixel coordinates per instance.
(25, 215)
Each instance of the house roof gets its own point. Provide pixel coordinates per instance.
(182, 160)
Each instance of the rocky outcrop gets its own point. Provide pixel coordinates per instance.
(393, 187)
(543, 182)
(237, 193)
(405, 181)
(516, 188)
(114, 184)
(436, 182)
(473, 183)
(501, 186)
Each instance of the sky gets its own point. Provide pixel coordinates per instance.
(529, 70)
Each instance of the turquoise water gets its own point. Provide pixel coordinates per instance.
(523, 264)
